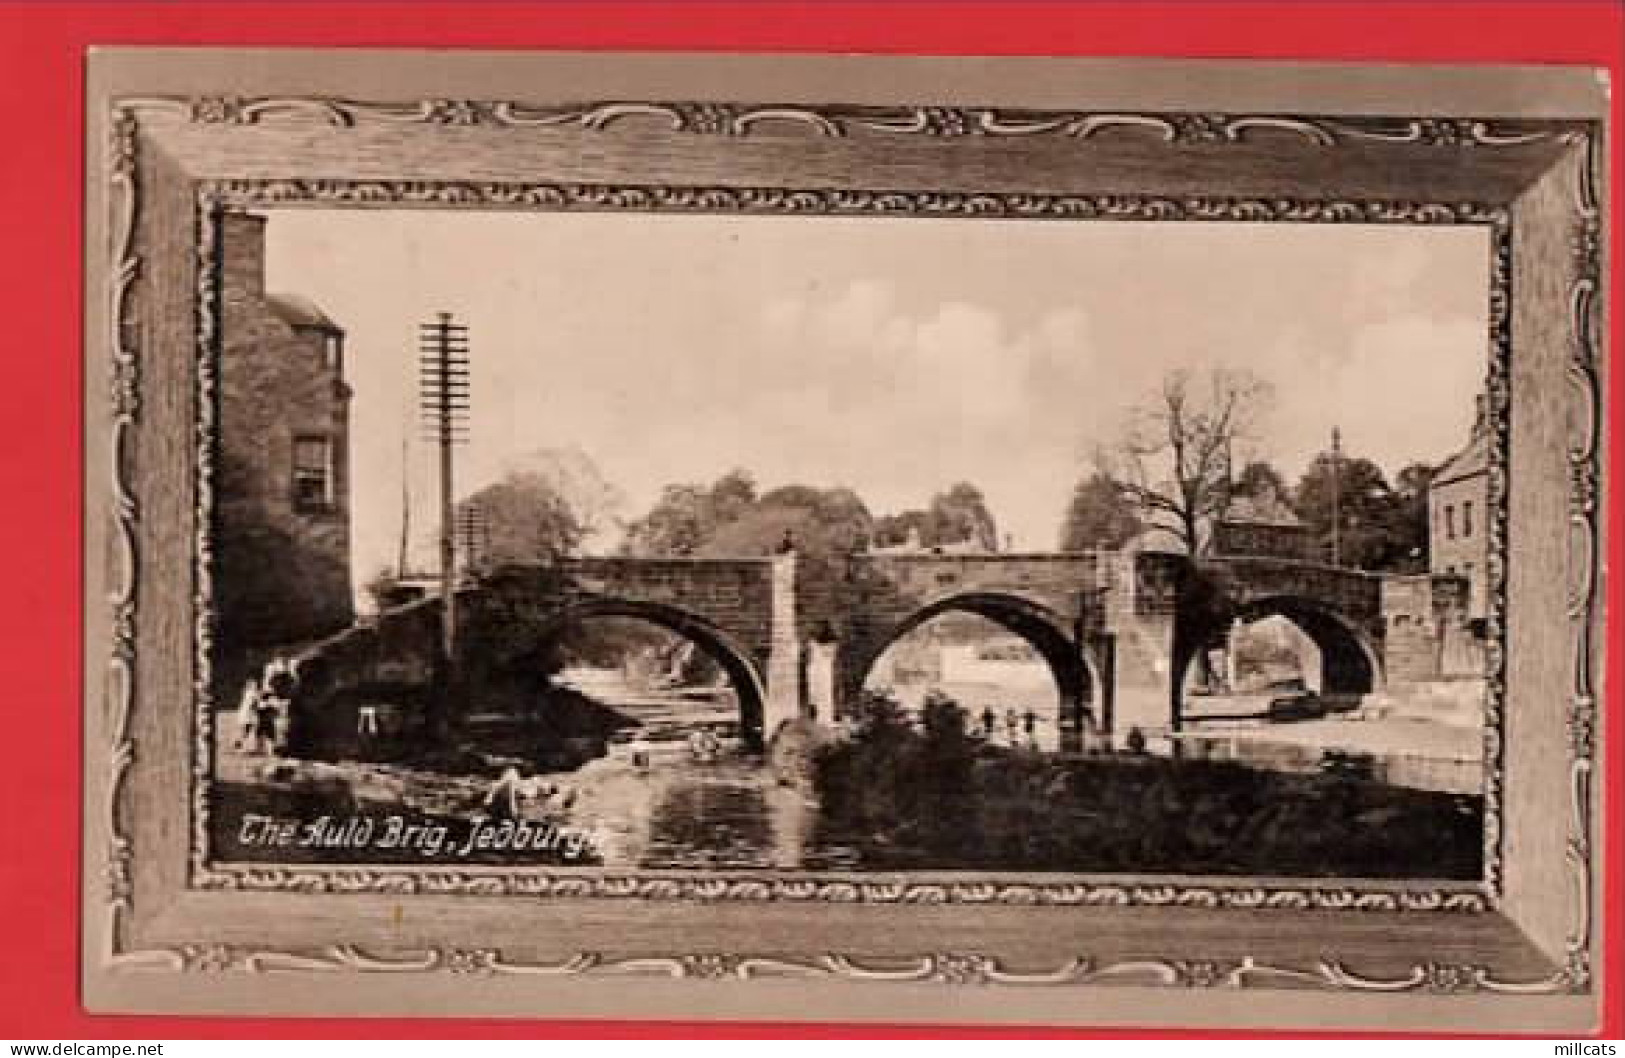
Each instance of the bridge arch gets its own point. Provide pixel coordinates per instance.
(1077, 673)
(733, 658)
(1350, 662)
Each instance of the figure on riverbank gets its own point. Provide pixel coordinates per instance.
(640, 751)
(247, 714)
(280, 685)
(271, 707)
(703, 745)
(502, 798)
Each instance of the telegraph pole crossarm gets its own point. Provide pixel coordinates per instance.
(443, 399)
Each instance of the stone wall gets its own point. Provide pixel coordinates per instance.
(1430, 633)
(282, 569)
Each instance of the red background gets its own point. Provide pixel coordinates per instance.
(42, 49)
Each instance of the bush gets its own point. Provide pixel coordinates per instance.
(934, 796)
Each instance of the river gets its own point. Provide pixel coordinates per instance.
(677, 811)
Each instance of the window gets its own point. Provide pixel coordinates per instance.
(333, 352)
(1450, 523)
(1467, 518)
(312, 473)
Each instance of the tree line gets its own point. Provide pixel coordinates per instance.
(1184, 460)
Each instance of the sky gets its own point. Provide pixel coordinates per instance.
(894, 356)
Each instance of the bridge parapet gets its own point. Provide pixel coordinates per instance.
(1352, 593)
(1062, 582)
(700, 584)
(735, 596)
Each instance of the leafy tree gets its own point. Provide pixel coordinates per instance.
(732, 495)
(729, 518)
(1410, 518)
(680, 522)
(595, 503)
(961, 515)
(1174, 458)
(1259, 478)
(817, 522)
(894, 529)
(957, 515)
(1099, 516)
(522, 519)
(1351, 496)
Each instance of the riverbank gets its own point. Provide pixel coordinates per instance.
(932, 797)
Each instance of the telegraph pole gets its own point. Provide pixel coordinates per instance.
(406, 509)
(443, 401)
(1337, 498)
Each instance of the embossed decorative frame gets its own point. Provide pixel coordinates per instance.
(173, 160)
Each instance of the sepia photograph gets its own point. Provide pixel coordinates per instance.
(1020, 540)
(858, 545)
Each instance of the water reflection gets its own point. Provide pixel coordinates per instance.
(665, 809)
(730, 815)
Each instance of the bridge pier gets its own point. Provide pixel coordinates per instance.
(784, 660)
(1142, 617)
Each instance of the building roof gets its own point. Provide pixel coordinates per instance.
(1158, 539)
(1469, 462)
(1474, 457)
(297, 311)
(1264, 507)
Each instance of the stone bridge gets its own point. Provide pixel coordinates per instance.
(797, 638)
(1339, 609)
(1056, 602)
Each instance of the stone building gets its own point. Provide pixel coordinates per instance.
(1458, 516)
(913, 544)
(1435, 621)
(1262, 524)
(281, 488)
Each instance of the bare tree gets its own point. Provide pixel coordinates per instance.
(1175, 457)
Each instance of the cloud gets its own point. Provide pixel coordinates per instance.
(1401, 391)
(906, 399)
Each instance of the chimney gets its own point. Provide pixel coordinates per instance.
(242, 253)
(1481, 406)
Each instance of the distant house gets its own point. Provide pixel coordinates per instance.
(281, 484)
(1260, 523)
(1458, 516)
(914, 545)
(1263, 524)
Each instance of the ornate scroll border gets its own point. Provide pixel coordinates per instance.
(740, 120)
(747, 119)
(1585, 365)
